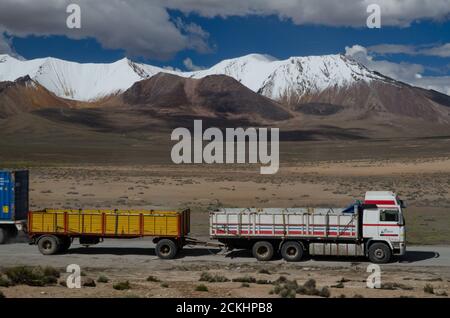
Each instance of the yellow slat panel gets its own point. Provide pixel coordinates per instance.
(111, 224)
(117, 222)
(149, 225)
(73, 223)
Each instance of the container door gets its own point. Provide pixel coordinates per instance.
(21, 195)
(6, 195)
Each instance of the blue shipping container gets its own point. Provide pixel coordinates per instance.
(6, 195)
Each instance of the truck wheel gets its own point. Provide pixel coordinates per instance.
(379, 253)
(292, 251)
(263, 251)
(166, 249)
(48, 245)
(3, 236)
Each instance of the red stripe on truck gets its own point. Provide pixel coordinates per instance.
(380, 202)
(282, 232)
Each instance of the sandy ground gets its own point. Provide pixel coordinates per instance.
(134, 261)
(423, 182)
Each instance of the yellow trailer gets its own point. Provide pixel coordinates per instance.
(53, 230)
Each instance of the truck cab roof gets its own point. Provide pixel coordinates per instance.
(382, 198)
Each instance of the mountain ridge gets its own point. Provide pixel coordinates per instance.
(261, 73)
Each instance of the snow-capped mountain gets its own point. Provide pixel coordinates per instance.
(294, 77)
(277, 79)
(83, 82)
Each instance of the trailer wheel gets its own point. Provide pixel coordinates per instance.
(3, 235)
(166, 249)
(48, 245)
(379, 253)
(292, 251)
(263, 251)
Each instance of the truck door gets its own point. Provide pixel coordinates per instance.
(388, 226)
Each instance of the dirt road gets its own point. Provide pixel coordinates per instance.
(140, 253)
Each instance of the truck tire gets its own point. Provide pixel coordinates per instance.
(379, 253)
(48, 245)
(166, 249)
(263, 251)
(3, 235)
(292, 251)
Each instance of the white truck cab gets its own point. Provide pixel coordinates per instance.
(384, 222)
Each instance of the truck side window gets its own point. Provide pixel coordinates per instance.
(389, 216)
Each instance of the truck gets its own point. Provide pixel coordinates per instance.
(13, 203)
(374, 228)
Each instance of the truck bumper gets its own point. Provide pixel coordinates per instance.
(399, 249)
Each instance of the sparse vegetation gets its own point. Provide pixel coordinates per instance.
(102, 279)
(88, 282)
(309, 288)
(2, 295)
(122, 285)
(153, 279)
(245, 279)
(394, 286)
(32, 276)
(285, 288)
(207, 277)
(164, 285)
(245, 285)
(4, 282)
(429, 289)
(202, 288)
(264, 271)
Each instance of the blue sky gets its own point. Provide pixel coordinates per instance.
(166, 33)
(237, 36)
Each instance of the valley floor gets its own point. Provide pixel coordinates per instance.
(328, 174)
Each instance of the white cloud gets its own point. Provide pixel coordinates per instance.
(406, 72)
(393, 49)
(6, 46)
(141, 28)
(325, 12)
(191, 66)
(145, 28)
(442, 51)
(425, 49)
